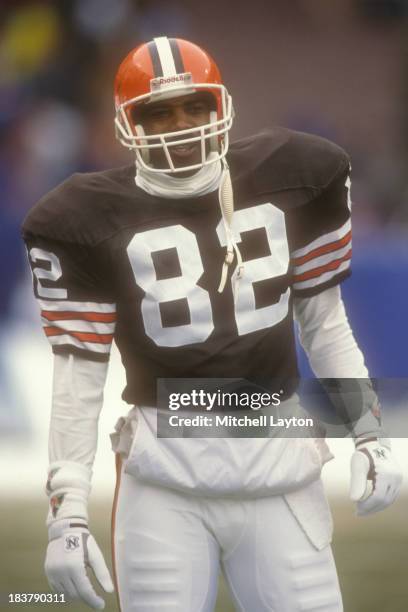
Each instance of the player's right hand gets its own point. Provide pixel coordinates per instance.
(70, 551)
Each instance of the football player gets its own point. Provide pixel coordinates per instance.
(196, 262)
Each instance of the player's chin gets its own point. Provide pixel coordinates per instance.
(186, 155)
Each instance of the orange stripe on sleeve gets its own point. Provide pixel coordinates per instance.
(82, 336)
(332, 265)
(326, 248)
(99, 317)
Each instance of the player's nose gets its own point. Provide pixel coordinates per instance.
(181, 119)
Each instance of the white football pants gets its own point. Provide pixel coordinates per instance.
(168, 548)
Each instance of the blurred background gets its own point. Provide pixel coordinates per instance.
(338, 69)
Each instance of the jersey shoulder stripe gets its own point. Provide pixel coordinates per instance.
(314, 273)
(326, 248)
(84, 325)
(322, 259)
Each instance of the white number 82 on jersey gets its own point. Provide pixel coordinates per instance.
(248, 317)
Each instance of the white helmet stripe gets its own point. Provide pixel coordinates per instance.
(166, 56)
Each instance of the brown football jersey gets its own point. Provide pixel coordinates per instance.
(111, 262)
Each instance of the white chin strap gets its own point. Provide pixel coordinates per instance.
(226, 199)
(144, 152)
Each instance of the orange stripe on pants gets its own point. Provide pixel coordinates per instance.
(118, 462)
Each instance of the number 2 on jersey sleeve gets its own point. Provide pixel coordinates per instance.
(248, 317)
(53, 274)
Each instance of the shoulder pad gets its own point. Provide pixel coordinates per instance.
(289, 161)
(82, 209)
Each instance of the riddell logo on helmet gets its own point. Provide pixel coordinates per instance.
(184, 78)
(172, 79)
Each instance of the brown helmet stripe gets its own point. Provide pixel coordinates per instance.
(154, 54)
(178, 60)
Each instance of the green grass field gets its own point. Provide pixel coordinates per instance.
(371, 554)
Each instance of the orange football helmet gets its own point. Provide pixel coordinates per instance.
(166, 68)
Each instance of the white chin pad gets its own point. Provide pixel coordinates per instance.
(214, 144)
(143, 152)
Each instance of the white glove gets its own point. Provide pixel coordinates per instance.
(375, 477)
(70, 551)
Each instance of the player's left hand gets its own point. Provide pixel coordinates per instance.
(375, 477)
